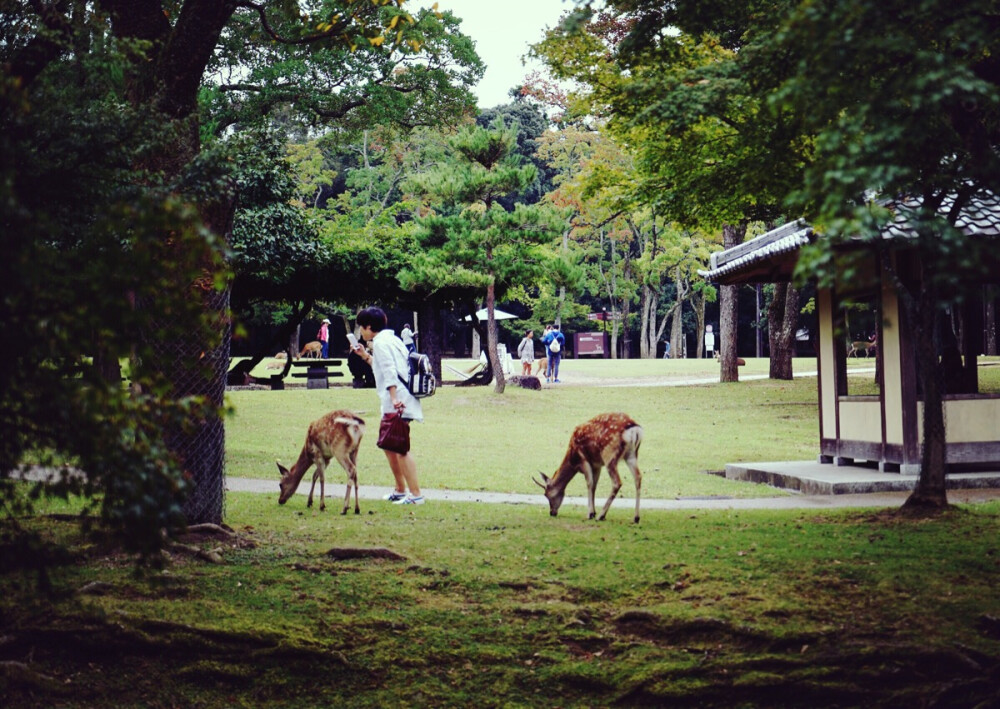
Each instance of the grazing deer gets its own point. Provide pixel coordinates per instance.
(312, 349)
(336, 435)
(542, 363)
(602, 441)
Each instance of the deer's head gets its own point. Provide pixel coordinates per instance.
(553, 492)
(287, 485)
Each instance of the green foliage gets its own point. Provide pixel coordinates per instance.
(672, 84)
(94, 249)
(532, 125)
(474, 243)
(394, 68)
(273, 239)
(114, 214)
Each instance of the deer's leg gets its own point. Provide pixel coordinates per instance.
(354, 479)
(321, 476)
(590, 474)
(633, 465)
(347, 462)
(616, 485)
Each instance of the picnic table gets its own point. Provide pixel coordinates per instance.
(317, 372)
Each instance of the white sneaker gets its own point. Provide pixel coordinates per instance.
(394, 496)
(410, 500)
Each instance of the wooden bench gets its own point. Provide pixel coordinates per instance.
(317, 372)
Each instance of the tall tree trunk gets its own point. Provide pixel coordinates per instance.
(732, 235)
(429, 310)
(677, 331)
(562, 289)
(647, 324)
(991, 321)
(168, 83)
(698, 301)
(673, 314)
(491, 339)
(683, 289)
(929, 493)
(782, 319)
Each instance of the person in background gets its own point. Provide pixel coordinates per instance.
(390, 361)
(554, 342)
(324, 337)
(526, 352)
(407, 335)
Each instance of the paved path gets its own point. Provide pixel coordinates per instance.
(790, 500)
(785, 502)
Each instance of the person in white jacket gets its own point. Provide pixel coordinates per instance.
(389, 360)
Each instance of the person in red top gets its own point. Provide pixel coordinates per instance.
(324, 337)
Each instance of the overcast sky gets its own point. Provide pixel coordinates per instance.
(502, 31)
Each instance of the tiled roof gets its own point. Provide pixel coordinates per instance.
(788, 237)
(979, 217)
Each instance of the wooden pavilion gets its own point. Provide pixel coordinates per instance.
(877, 419)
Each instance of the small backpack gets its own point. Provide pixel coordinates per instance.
(421, 382)
(554, 345)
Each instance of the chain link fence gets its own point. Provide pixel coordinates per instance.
(198, 370)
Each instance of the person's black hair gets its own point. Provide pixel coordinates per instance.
(528, 332)
(373, 317)
(555, 326)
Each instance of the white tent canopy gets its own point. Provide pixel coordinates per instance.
(498, 314)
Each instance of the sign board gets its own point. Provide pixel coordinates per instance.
(590, 343)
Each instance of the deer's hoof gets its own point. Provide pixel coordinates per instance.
(592, 515)
(637, 519)
(343, 511)
(357, 510)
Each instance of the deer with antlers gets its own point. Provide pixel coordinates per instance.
(603, 441)
(336, 435)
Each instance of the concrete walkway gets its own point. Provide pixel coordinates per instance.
(335, 491)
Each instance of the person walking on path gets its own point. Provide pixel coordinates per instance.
(554, 342)
(324, 337)
(389, 360)
(526, 352)
(407, 336)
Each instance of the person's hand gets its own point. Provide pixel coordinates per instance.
(399, 406)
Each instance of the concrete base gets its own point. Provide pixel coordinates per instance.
(813, 478)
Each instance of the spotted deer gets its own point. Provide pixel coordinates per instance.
(603, 441)
(311, 349)
(336, 435)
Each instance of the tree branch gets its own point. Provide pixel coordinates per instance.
(46, 46)
(334, 30)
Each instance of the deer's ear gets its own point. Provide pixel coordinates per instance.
(282, 470)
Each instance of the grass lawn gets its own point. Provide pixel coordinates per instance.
(473, 439)
(504, 606)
